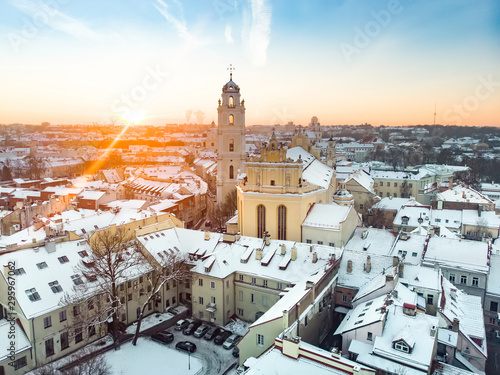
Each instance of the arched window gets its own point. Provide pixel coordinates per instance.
(231, 120)
(261, 220)
(231, 172)
(281, 222)
(231, 102)
(231, 145)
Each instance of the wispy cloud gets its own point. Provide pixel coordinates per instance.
(178, 22)
(227, 34)
(259, 34)
(42, 13)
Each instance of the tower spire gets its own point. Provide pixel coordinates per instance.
(231, 68)
(434, 114)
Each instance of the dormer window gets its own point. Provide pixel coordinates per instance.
(401, 346)
(231, 102)
(33, 295)
(56, 288)
(41, 265)
(404, 220)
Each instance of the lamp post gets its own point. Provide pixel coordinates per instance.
(189, 360)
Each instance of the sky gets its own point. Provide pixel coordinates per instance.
(392, 62)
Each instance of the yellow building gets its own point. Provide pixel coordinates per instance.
(279, 189)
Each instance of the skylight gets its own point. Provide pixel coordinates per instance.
(368, 303)
(56, 288)
(63, 259)
(33, 295)
(77, 280)
(19, 271)
(41, 265)
(83, 254)
(359, 322)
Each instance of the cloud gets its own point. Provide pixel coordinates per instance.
(178, 22)
(41, 13)
(258, 37)
(227, 34)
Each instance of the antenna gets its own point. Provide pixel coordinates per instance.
(434, 114)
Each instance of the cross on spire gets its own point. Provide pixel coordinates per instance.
(231, 68)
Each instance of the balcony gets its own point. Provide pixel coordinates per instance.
(211, 307)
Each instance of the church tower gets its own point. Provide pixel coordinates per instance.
(231, 154)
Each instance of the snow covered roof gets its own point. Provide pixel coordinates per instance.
(421, 277)
(493, 284)
(363, 315)
(448, 218)
(314, 171)
(488, 219)
(462, 193)
(91, 195)
(471, 256)
(391, 203)
(371, 240)
(22, 342)
(394, 175)
(111, 176)
(410, 247)
(413, 214)
(327, 216)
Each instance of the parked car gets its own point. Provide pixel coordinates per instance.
(164, 337)
(173, 310)
(231, 341)
(201, 330)
(181, 324)
(193, 326)
(187, 346)
(236, 352)
(213, 332)
(221, 337)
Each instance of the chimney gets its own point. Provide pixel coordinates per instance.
(258, 254)
(455, 325)
(283, 249)
(315, 257)
(450, 183)
(207, 235)
(433, 331)
(368, 264)
(268, 239)
(395, 261)
(349, 266)
(285, 319)
(401, 269)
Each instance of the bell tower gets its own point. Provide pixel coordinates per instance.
(231, 154)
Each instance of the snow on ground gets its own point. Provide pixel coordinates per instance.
(238, 326)
(149, 321)
(150, 357)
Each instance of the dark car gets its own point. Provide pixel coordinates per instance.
(221, 337)
(236, 352)
(181, 324)
(213, 332)
(201, 330)
(164, 337)
(187, 346)
(193, 326)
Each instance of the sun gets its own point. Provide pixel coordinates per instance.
(132, 116)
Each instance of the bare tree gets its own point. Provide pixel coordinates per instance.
(170, 267)
(114, 258)
(83, 362)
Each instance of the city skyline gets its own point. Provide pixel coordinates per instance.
(383, 62)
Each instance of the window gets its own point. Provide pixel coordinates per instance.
(361, 206)
(167, 286)
(395, 195)
(430, 299)
(47, 322)
(381, 183)
(200, 300)
(200, 282)
(388, 184)
(463, 279)
(239, 312)
(401, 346)
(252, 298)
(54, 285)
(212, 284)
(122, 300)
(91, 331)
(254, 280)
(173, 300)
(475, 281)
(369, 336)
(320, 242)
(41, 265)
(62, 316)
(260, 340)
(90, 304)
(64, 340)
(332, 244)
(264, 300)
(33, 295)
(122, 287)
(240, 295)
(227, 283)
(129, 297)
(305, 321)
(308, 241)
(78, 335)
(231, 102)
(273, 183)
(212, 299)
(76, 310)
(493, 306)
(49, 347)
(77, 280)
(63, 259)
(231, 172)
(410, 185)
(344, 298)
(451, 278)
(200, 314)
(395, 184)
(281, 222)
(388, 194)
(264, 283)
(231, 145)
(261, 220)
(83, 254)
(240, 277)
(279, 286)
(19, 271)
(231, 120)
(20, 362)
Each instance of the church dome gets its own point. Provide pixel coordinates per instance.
(230, 87)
